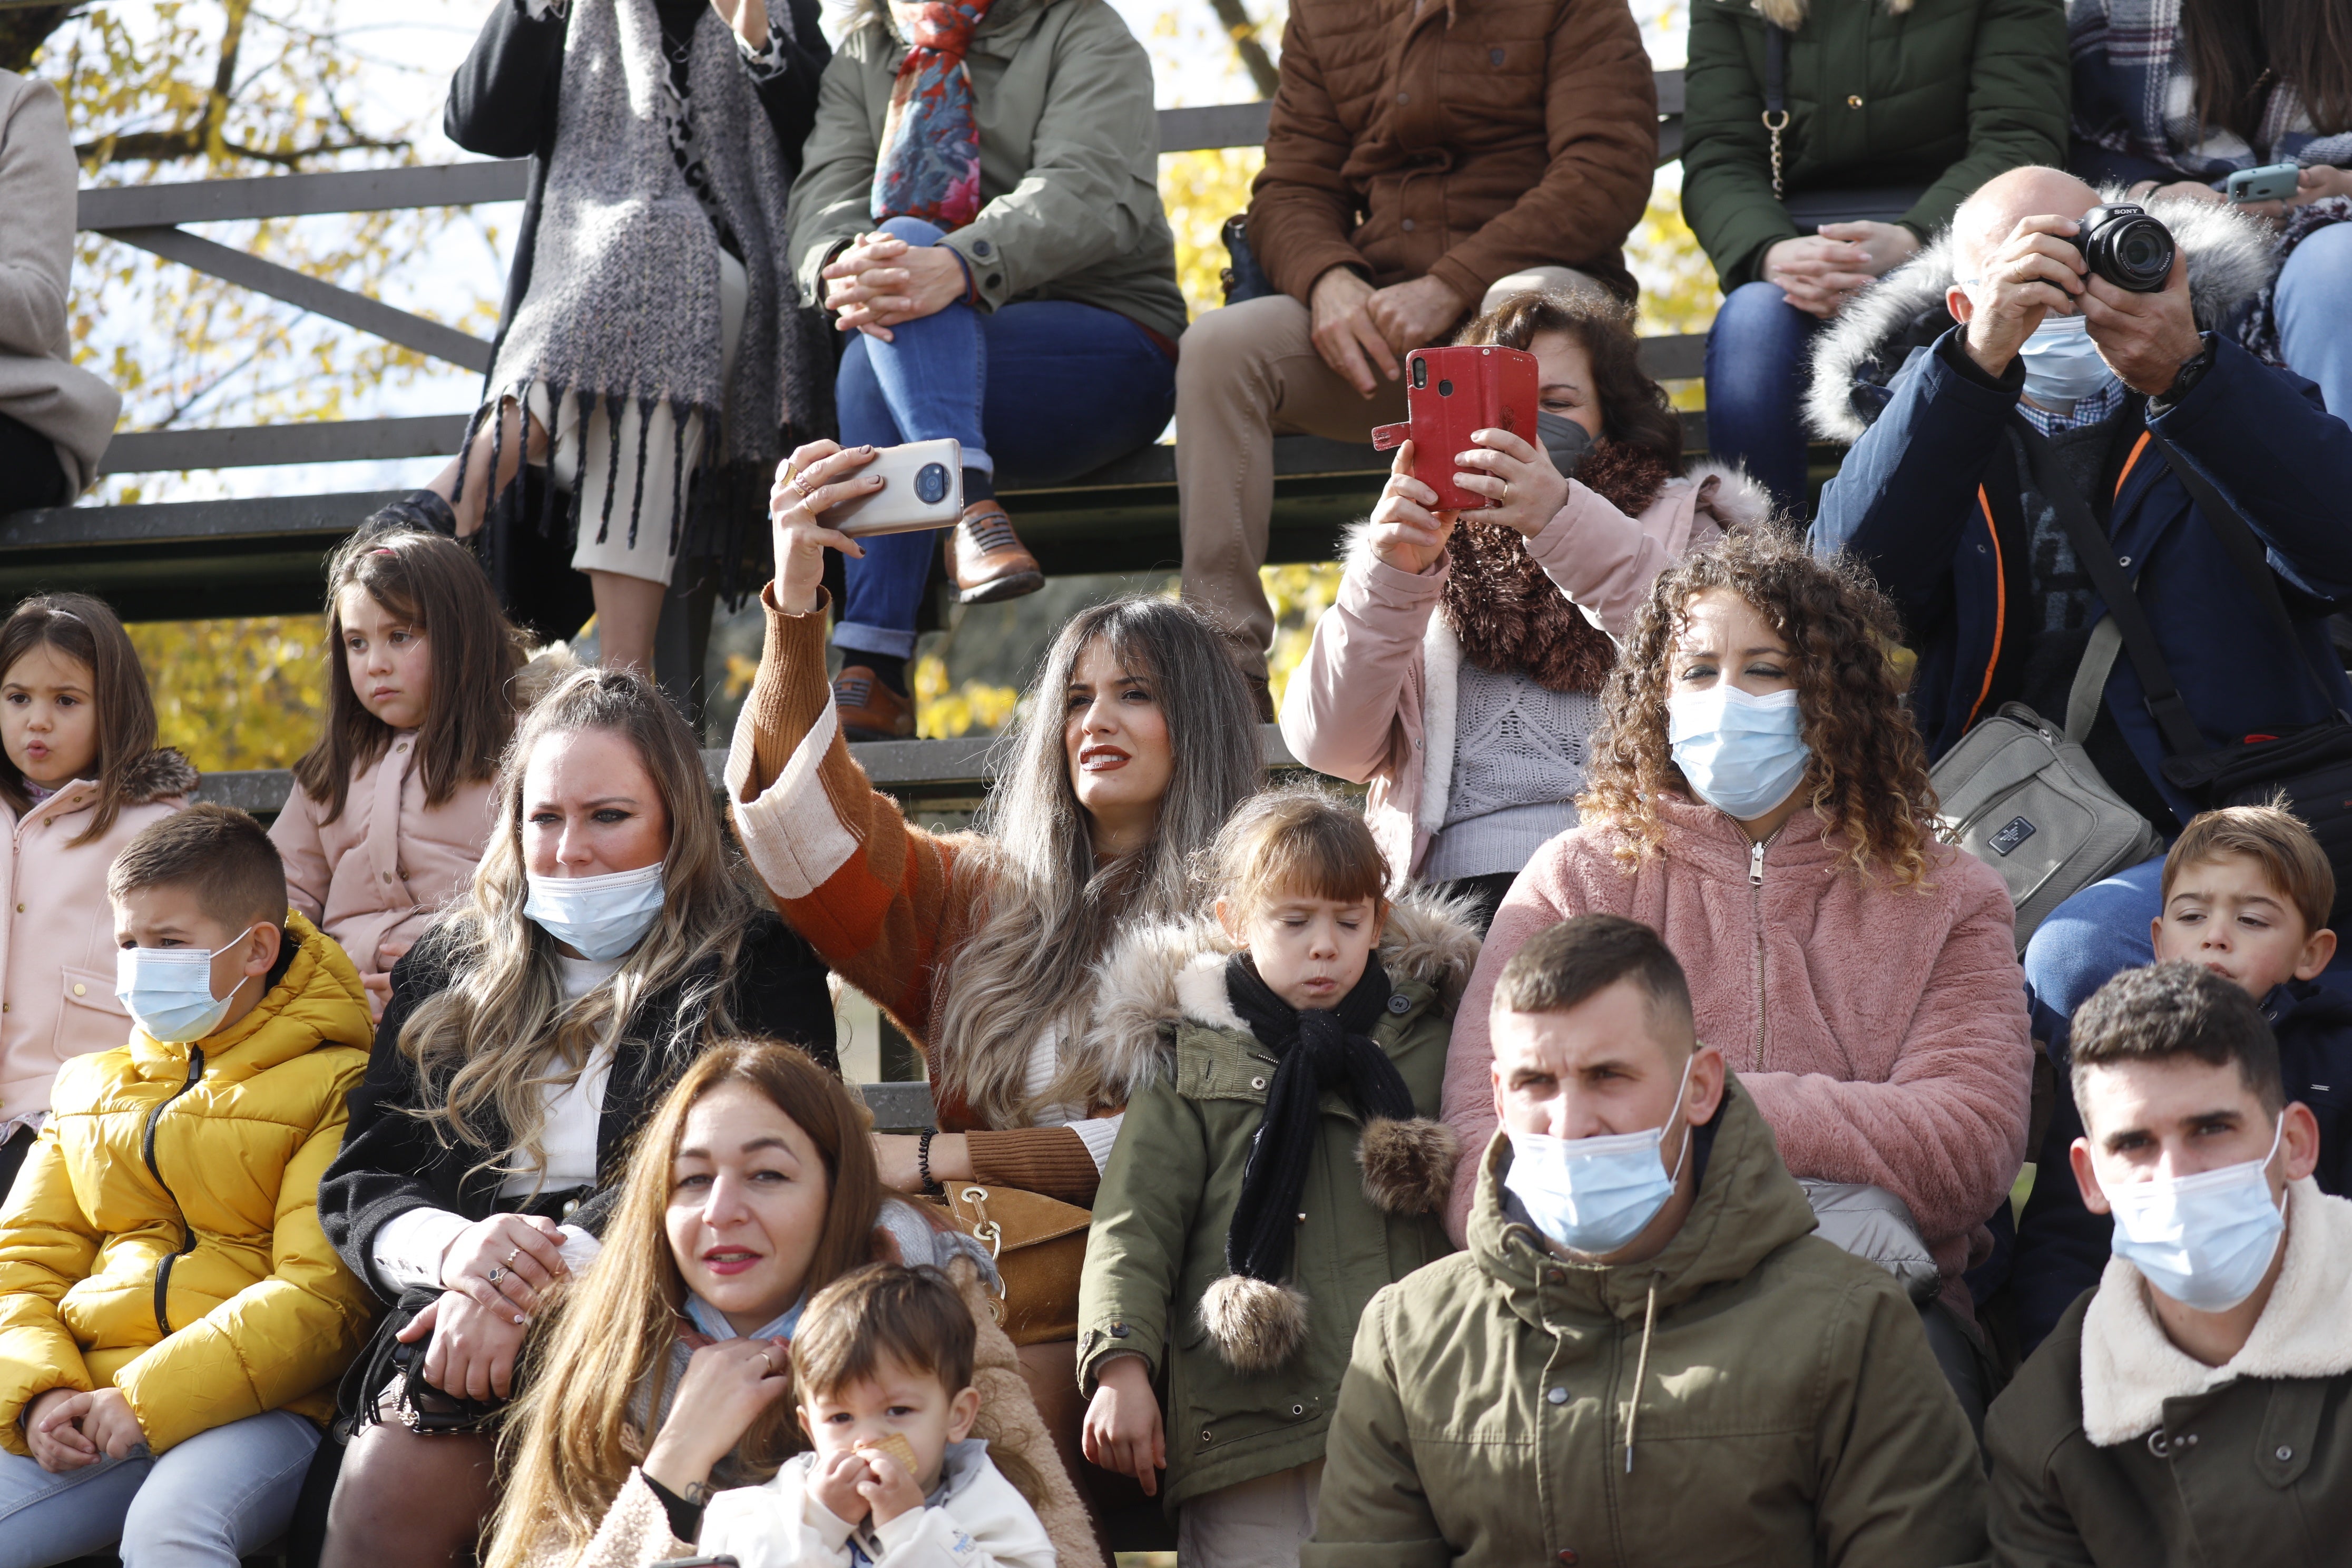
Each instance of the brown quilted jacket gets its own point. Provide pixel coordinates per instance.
(1463, 139)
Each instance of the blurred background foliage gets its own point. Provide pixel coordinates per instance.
(212, 89)
(238, 693)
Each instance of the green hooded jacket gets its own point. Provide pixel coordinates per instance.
(1069, 162)
(2113, 1447)
(1251, 1371)
(1752, 1395)
(1940, 93)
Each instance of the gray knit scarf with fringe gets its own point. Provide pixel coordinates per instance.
(623, 306)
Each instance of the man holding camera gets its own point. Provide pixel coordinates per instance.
(1420, 158)
(2037, 408)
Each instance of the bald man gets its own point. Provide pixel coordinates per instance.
(2033, 408)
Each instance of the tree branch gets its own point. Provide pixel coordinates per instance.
(1244, 34)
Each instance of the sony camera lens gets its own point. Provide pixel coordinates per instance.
(2125, 246)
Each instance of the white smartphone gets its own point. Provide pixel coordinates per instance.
(922, 487)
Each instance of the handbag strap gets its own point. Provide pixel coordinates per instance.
(1776, 94)
(2246, 552)
(2097, 554)
(2091, 679)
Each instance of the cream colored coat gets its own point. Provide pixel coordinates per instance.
(40, 383)
(56, 931)
(382, 869)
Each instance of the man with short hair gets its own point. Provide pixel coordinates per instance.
(1644, 1355)
(1424, 159)
(2197, 1408)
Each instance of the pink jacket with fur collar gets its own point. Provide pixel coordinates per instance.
(1881, 1030)
(1373, 702)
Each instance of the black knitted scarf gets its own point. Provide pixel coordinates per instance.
(1315, 1050)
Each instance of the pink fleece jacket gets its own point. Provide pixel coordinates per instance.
(1374, 702)
(1882, 1031)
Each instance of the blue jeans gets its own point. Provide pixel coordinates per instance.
(1037, 392)
(211, 1500)
(1755, 388)
(2313, 304)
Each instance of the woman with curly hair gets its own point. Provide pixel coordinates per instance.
(1759, 798)
(1459, 672)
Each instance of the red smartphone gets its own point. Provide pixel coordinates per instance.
(1448, 394)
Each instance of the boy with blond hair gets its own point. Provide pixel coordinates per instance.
(2246, 894)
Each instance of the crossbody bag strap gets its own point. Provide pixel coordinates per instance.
(1776, 94)
(2091, 679)
(2245, 550)
(2097, 554)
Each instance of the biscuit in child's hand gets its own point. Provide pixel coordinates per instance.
(899, 1448)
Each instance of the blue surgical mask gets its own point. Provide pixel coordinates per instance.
(1742, 754)
(598, 917)
(2062, 364)
(169, 990)
(1594, 1195)
(2204, 1240)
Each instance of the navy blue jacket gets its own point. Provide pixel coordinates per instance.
(1928, 500)
(2062, 1247)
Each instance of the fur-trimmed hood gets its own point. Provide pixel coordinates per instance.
(2130, 1368)
(1175, 973)
(1854, 360)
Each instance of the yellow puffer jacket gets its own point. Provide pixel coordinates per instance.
(163, 1236)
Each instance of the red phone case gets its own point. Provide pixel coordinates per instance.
(1448, 394)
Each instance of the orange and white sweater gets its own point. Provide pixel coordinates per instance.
(877, 898)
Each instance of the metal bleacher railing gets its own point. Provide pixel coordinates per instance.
(189, 560)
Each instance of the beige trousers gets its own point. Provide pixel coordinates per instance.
(1247, 374)
(1251, 1524)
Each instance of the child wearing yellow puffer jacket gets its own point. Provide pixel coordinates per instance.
(172, 1319)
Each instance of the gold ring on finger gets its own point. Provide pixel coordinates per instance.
(496, 1275)
(799, 482)
(510, 1256)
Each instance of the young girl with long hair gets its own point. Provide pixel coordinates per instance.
(1286, 1170)
(1760, 799)
(80, 774)
(392, 807)
(751, 1188)
(1459, 673)
(608, 937)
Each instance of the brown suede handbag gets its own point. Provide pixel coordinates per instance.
(1039, 1244)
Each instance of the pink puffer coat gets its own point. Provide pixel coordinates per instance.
(57, 929)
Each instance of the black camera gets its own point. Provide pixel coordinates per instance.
(2127, 246)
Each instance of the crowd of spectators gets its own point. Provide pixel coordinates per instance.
(1602, 1141)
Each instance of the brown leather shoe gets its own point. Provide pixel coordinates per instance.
(986, 560)
(870, 711)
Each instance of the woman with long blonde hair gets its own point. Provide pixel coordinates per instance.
(608, 937)
(751, 1188)
(1759, 798)
(1134, 742)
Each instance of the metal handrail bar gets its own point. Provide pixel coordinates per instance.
(146, 216)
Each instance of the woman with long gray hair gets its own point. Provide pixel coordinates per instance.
(1134, 742)
(607, 938)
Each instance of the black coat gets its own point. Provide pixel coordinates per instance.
(391, 1162)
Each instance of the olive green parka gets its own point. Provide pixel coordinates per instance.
(1752, 1395)
(1940, 93)
(2113, 1447)
(1251, 1372)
